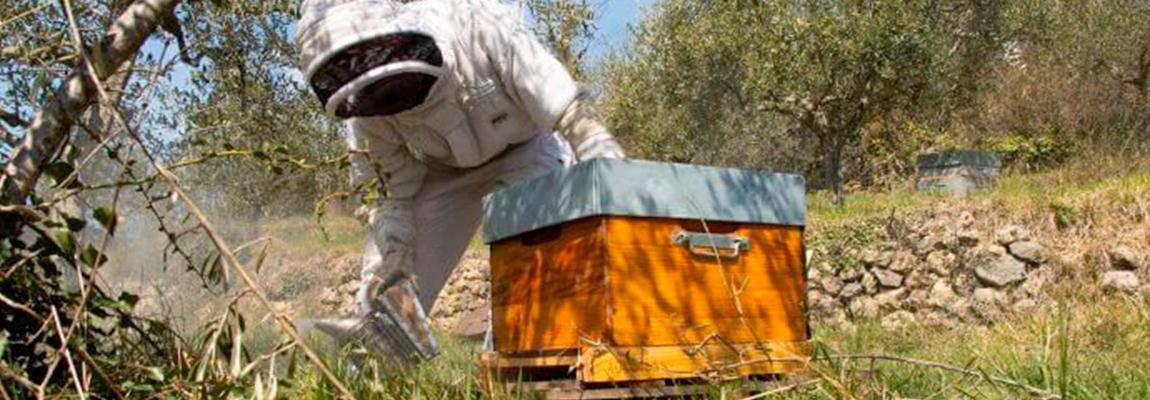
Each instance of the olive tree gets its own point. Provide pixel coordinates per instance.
(782, 77)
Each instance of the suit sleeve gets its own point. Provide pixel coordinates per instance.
(527, 69)
(378, 152)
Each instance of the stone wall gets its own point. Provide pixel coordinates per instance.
(934, 267)
(459, 308)
(942, 272)
(462, 305)
(944, 268)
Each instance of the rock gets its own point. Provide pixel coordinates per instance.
(466, 289)
(813, 274)
(883, 259)
(918, 299)
(1024, 305)
(939, 319)
(948, 240)
(863, 307)
(1028, 251)
(1037, 279)
(887, 278)
(1000, 271)
(473, 324)
(831, 285)
(1144, 291)
(902, 261)
(960, 308)
(967, 237)
(991, 250)
(328, 297)
(837, 318)
(966, 219)
(929, 243)
(988, 302)
(869, 283)
(989, 296)
(940, 262)
(851, 290)
(898, 320)
(825, 305)
(916, 279)
(1120, 281)
(941, 294)
(1010, 234)
(1124, 258)
(813, 296)
(850, 274)
(964, 283)
(889, 300)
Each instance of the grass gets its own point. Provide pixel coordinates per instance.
(1086, 349)
(1013, 191)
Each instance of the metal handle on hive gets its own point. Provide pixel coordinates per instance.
(712, 244)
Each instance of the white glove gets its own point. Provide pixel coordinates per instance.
(364, 214)
(391, 227)
(587, 134)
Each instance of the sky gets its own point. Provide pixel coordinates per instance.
(614, 19)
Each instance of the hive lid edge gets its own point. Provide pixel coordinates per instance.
(645, 189)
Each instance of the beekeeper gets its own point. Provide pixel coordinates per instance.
(446, 100)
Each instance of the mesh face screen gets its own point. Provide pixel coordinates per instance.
(388, 96)
(367, 55)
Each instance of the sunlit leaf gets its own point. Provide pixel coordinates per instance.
(107, 218)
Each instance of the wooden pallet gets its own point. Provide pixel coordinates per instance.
(597, 374)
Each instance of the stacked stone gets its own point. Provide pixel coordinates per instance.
(940, 273)
(464, 296)
(1125, 265)
(944, 272)
(461, 307)
(339, 299)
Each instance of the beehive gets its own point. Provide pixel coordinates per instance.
(958, 171)
(636, 270)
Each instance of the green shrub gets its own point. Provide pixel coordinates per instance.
(1033, 152)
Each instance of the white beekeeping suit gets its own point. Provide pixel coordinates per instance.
(446, 100)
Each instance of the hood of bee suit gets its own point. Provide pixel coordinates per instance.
(327, 27)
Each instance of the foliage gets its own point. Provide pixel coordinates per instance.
(244, 92)
(567, 26)
(858, 89)
(64, 326)
(1032, 152)
(706, 78)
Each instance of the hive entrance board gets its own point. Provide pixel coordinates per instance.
(647, 271)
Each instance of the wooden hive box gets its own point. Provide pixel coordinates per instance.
(958, 171)
(608, 267)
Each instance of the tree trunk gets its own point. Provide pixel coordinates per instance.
(55, 120)
(831, 147)
(836, 173)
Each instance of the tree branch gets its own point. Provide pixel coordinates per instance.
(12, 119)
(9, 138)
(51, 125)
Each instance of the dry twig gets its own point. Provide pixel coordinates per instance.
(781, 390)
